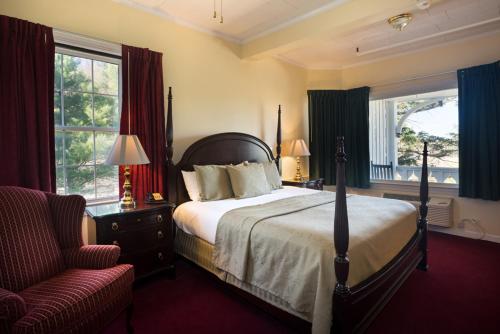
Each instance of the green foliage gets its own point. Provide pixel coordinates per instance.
(411, 146)
(85, 103)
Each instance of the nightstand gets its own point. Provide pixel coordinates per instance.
(145, 235)
(305, 183)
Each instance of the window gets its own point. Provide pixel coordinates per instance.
(86, 116)
(400, 125)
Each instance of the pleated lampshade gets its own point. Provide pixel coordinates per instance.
(297, 148)
(127, 150)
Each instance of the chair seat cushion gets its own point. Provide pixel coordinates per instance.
(77, 300)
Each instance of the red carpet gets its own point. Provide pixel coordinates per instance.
(459, 294)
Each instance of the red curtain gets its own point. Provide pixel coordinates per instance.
(147, 117)
(27, 105)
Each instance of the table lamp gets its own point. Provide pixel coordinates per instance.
(297, 148)
(127, 150)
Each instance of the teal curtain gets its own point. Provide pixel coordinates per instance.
(334, 113)
(479, 131)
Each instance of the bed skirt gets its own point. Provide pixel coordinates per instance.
(200, 252)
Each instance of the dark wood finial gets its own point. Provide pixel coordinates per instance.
(341, 225)
(423, 209)
(169, 129)
(278, 139)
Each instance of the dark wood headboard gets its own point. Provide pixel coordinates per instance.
(219, 149)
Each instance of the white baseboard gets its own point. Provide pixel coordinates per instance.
(466, 233)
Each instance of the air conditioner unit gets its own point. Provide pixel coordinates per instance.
(440, 208)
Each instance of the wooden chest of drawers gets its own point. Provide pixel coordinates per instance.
(144, 234)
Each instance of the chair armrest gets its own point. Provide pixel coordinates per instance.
(12, 308)
(92, 256)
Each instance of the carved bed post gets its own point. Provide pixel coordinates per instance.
(341, 322)
(278, 139)
(169, 132)
(422, 221)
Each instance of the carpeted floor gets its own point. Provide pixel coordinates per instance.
(459, 294)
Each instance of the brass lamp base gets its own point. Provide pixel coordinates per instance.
(127, 201)
(298, 174)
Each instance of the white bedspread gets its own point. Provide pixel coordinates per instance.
(201, 218)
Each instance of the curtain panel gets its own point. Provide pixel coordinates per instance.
(27, 147)
(334, 113)
(147, 117)
(479, 131)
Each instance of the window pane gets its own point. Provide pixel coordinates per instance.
(57, 108)
(57, 71)
(79, 148)
(105, 78)
(398, 128)
(77, 74)
(59, 148)
(60, 181)
(103, 143)
(106, 181)
(106, 111)
(77, 109)
(81, 181)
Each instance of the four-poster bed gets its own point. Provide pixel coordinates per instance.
(354, 307)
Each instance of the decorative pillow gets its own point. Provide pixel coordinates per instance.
(213, 182)
(248, 180)
(272, 175)
(191, 184)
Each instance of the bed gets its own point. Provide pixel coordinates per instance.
(356, 291)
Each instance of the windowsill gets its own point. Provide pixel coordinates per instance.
(416, 184)
(103, 201)
(413, 187)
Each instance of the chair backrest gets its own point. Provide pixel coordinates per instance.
(381, 172)
(29, 251)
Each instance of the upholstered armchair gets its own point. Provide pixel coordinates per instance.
(49, 281)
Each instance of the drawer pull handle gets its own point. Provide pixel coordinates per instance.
(115, 226)
(160, 256)
(116, 243)
(159, 218)
(138, 220)
(160, 235)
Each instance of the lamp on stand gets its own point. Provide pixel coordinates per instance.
(297, 148)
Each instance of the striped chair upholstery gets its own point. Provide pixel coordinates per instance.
(49, 281)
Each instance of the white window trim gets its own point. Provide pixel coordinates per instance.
(99, 46)
(414, 187)
(85, 42)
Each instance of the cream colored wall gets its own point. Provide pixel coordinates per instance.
(214, 90)
(447, 58)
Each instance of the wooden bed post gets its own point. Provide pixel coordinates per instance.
(169, 132)
(341, 322)
(422, 221)
(278, 139)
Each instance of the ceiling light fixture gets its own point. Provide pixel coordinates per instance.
(215, 12)
(399, 22)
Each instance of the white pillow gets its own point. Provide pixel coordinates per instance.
(191, 183)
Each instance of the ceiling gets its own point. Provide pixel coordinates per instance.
(243, 19)
(247, 22)
(443, 22)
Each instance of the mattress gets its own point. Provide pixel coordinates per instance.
(201, 218)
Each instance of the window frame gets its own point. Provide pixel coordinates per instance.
(418, 86)
(97, 56)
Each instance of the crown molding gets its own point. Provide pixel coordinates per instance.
(178, 21)
(240, 41)
(294, 20)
